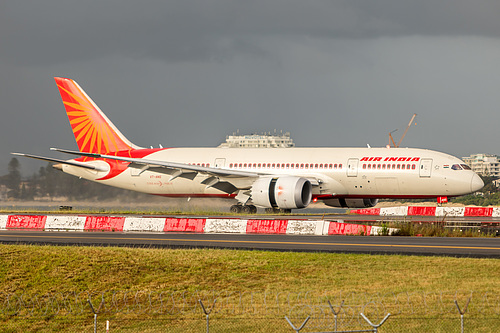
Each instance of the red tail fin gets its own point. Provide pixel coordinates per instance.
(94, 132)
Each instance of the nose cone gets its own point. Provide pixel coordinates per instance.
(476, 183)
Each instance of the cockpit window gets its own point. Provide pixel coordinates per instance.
(456, 167)
(465, 166)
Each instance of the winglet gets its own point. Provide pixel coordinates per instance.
(93, 131)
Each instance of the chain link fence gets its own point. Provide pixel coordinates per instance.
(250, 311)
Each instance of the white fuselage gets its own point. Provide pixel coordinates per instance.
(338, 172)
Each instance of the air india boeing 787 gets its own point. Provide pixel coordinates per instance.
(278, 179)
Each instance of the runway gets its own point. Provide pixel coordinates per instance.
(429, 246)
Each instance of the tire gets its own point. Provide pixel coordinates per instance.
(246, 210)
(235, 209)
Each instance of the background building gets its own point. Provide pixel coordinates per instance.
(264, 140)
(484, 164)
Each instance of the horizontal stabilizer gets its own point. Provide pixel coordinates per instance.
(55, 160)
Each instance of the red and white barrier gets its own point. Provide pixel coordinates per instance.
(104, 223)
(172, 224)
(430, 211)
(151, 224)
(184, 225)
(267, 226)
(307, 227)
(65, 222)
(226, 226)
(3, 221)
(26, 221)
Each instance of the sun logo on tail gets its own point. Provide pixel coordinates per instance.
(94, 132)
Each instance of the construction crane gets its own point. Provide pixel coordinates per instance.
(400, 140)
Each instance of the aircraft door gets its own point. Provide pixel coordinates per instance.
(352, 167)
(425, 167)
(220, 162)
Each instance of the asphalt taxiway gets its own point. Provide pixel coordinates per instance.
(451, 246)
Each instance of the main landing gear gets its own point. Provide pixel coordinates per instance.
(245, 209)
(251, 209)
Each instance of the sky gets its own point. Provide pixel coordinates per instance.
(188, 73)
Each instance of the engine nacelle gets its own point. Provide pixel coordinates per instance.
(282, 192)
(351, 203)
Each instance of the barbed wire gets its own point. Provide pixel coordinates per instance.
(251, 303)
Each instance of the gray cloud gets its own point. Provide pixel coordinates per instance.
(187, 73)
(55, 31)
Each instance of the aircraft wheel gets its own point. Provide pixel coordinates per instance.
(285, 211)
(253, 209)
(246, 209)
(269, 210)
(235, 209)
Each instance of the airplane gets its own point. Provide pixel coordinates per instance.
(276, 179)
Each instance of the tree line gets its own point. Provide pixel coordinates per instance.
(49, 183)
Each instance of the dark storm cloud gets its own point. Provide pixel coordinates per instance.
(50, 32)
(187, 73)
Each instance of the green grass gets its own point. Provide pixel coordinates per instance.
(241, 276)
(41, 269)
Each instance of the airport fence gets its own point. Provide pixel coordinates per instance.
(250, 311)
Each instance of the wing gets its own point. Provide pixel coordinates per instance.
(228, 181)
(145, 164)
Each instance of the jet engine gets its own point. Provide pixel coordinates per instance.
(282, 192)
(351, 203)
